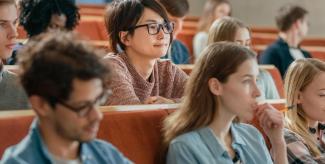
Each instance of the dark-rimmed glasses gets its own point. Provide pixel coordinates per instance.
(154, 28)
(85, 109)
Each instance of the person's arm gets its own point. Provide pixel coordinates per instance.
(122, 88)
(179, 83)
(272, 122)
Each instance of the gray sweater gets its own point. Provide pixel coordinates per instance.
(12, 95)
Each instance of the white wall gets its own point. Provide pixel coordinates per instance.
(262, 12)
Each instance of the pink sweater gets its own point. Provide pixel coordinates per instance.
(129, 87)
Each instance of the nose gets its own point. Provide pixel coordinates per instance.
(96, 114)
(256, 91)
(12, 32)
(161, 33)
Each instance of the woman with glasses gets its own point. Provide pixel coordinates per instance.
(142, 31)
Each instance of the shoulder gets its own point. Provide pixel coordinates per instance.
(24, 152)
(108, 151)
(114, 59)
(192, 137)
(179, 47)
(265, 75)
(246, 129)
(291, 136)
(201, 35)
(9, 76)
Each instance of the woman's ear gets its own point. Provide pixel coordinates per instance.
(124, 37)
(299, 98)
(215, 86)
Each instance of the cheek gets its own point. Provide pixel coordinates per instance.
(314, 108)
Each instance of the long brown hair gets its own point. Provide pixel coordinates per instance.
(218, 60)
(208, 12)
(225, 29)
(299, 75)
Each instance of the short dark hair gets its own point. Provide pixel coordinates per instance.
(124, 14)
(288, 15)
(50, 63)
(176, 8)
(35, 15)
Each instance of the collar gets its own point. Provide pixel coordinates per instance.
(85, 153)
(213, 144)
(284, 43)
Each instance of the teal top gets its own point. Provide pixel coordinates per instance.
(202, 146)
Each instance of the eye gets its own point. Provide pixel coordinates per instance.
(152, 26)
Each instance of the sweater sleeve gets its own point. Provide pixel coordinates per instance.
(179, 83)
(121, 84)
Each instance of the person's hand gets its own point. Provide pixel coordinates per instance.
(272, 122)
(158, 100)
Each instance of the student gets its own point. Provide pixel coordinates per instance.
(38, 16)
(233, 30)
(213, 10)
(142, 30)
(176, 11)
(12, 95)
(221, 88)
(292, 23)
(305, 92)
(65, 86)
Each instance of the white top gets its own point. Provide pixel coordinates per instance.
(200, 41)
(296, 53)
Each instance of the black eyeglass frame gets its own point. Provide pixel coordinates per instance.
(160, 26)
(84, 110)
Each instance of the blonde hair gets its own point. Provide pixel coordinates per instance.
(299, 75)
(225, 29)
(208, 16)
(218, 60)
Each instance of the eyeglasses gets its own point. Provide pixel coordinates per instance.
(154, 28)
(85, 109)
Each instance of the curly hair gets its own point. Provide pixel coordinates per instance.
(51, 61)
(35, 15)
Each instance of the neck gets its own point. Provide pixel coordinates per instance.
(56, 144)
(312, 123)
(292, 39)
(221, 124)
(143, 65)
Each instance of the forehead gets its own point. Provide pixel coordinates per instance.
(149, 15)
(85, 90)
(248, 67)
(242, 34)
(8, 12)
(318, 82)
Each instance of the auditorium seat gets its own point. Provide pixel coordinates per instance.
(275, 73)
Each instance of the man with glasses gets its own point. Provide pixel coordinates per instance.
(65, 84)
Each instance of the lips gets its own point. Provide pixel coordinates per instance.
(11, 45)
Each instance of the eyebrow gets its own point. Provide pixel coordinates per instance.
(4, 20)
(248, 75)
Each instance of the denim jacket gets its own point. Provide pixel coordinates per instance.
(32, 149)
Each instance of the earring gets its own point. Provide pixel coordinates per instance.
(312, 130)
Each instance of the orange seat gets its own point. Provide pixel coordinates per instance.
(89, 29)
(277, 78)
(135, 133)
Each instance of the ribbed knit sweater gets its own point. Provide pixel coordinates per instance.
(129, 87)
